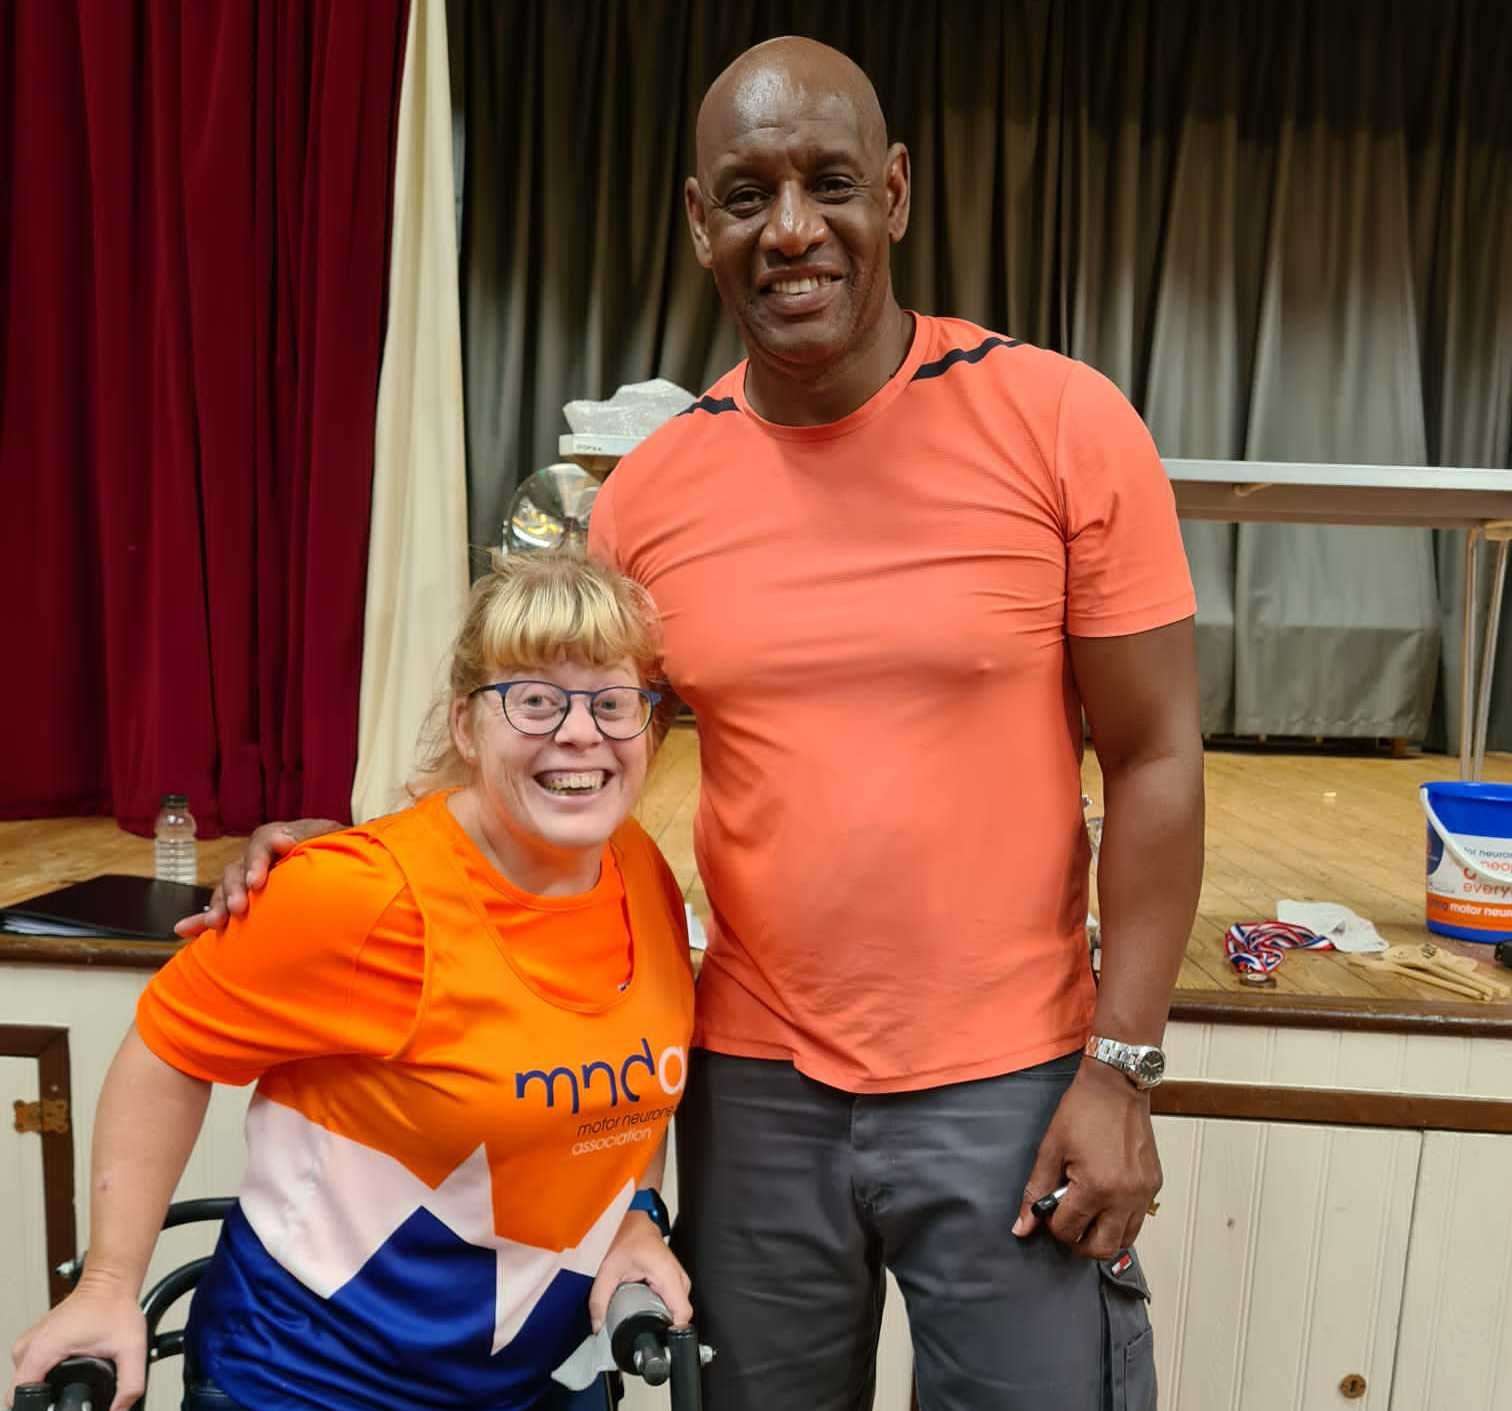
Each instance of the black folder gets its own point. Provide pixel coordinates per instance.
(121, 907)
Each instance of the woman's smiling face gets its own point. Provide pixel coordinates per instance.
(550, 798)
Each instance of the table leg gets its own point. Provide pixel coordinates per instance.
(1467, 656)
(1488, 659)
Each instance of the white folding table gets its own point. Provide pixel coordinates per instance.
(1423, 497)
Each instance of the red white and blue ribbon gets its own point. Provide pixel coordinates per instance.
(1258, 946)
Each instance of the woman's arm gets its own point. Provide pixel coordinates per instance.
(656, 1169)
(148, 1118)
(639, 1254)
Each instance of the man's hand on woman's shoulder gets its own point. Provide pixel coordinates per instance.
(250, 871)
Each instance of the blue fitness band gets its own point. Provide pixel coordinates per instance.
(649, 1199)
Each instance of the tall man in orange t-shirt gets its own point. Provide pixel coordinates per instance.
(897, 557)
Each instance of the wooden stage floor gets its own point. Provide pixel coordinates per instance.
(1315, 827)
(1310, 827)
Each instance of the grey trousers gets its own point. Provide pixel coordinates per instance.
(793, 1197)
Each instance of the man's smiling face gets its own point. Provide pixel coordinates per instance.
(796, 205)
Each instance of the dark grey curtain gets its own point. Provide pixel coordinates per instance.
(1284, 229)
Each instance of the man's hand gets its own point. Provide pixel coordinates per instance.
(1100, 1143)
(640, 1255)
(250, 871)
(98, 1319)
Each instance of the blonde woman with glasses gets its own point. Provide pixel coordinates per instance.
(468, 1025)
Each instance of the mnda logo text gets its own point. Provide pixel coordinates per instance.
(669, 1070)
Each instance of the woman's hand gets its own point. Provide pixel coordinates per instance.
(640, 1255)
(100, 1318)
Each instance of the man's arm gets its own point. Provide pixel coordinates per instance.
(250, 871)
(1140, 695)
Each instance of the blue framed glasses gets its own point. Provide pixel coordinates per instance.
(540, 707)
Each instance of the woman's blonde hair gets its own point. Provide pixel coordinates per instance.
(528, 612)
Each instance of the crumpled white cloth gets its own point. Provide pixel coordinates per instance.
(1336, 923)
(592, 1357)
(636, 409)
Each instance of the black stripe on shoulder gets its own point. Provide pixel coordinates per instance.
(941, 366)
(712, 405)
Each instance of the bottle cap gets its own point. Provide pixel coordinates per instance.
(175, 800)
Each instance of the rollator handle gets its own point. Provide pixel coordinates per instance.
(75, 1384)
(638, 1322)
(644, 1344)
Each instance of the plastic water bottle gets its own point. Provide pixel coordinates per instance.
(173, 850)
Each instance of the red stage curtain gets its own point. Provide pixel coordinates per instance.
(195, 201)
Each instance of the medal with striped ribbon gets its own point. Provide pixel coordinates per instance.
(1257, 947)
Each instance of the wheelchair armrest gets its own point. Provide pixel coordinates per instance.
(189, 1212)
(181, 1212)
(164, 1294)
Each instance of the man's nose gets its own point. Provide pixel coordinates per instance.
(794, 222)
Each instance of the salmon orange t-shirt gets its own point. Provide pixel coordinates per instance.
(870, 620)
(459, 1086)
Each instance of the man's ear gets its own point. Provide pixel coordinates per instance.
(899, 183)
(693, 203)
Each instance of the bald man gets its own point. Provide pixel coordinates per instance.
(897, 557)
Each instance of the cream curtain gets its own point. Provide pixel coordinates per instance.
(417, 563)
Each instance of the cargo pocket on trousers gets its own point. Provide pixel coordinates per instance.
(1129, 1344)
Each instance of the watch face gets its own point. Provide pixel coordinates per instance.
(1151, 1065)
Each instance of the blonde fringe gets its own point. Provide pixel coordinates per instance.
(528, 612)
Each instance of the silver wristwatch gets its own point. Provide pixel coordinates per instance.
(1142, 1064)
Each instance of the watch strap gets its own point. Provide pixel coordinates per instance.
(648, 1199)
(1127, 1058)
(1113, 1052)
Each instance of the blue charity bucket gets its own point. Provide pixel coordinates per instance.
(1469, 864)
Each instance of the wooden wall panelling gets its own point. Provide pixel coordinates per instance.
(1282, 1270)
(1218, 1217)
(1255, 1103)
(23, 1230)
(1164, 1243)
(47, 1046)
(1454, 1351)
(1347, 1237)
(94, 1008)
(1443, 1064)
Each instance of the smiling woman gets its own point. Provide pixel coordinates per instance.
(416, 999)
(544, 720)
